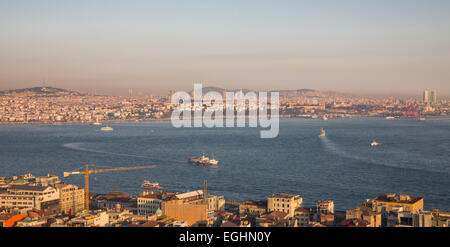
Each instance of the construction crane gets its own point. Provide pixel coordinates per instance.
(87, 172)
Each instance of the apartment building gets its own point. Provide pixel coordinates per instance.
(391, 202)
(148, 204)
(71, 198)
(29, 196)
(325, 207)
(284, 203)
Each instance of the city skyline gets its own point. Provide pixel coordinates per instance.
(418, 94)
(376, 48)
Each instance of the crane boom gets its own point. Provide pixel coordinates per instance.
(86, 173)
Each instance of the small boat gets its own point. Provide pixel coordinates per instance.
(374, 143)
(203, 160)
(322, 132)
(150, 185)
(390, 117)
(325, 118)
(106, 128)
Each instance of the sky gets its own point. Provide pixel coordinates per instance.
(107, 46)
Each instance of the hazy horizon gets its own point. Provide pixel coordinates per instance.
(108, 47)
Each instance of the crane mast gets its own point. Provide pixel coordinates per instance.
(87, 172)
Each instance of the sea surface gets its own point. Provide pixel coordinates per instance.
(413, 158)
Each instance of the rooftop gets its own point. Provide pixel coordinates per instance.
(27, 187)
(282, 195)
(189, 194)
(397, 198)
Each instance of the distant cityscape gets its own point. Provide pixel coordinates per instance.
(46, 201)
(29, 201)
(53, 105)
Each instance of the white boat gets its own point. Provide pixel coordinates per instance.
(390, 117)
(374, 143)
(150, 185)
(324, 118)
(96, 123)
(106, 128)
(322, 132)
(203, 160)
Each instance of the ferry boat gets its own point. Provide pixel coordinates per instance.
(374, 143)
(322, 132)
(203, 160)
(150, 185)
(106, 128)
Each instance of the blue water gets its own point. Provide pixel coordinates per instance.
(413, 158)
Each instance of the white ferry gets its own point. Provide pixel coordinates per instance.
(106, 128)
(150, 185)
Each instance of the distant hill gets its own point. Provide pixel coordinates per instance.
(305, 90)
(41, 90)
(220, 90)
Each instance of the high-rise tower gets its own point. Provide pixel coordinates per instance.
(426, 96)
(433, 97)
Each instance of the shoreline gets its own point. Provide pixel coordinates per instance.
(169, 119)
(430, 118)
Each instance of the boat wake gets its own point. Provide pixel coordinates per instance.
(78, 146)
(334, 148)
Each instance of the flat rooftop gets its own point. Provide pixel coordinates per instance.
(398, 198)
(282, 195)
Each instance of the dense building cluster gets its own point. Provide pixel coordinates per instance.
(29, 201)
(52, 105)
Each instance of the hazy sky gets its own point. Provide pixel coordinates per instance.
(110, 46)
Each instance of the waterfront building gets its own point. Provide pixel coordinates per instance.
(284, 203)
(390, 202)
(29, 196)
(325, 207)
(303, 216)
(440, 218)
